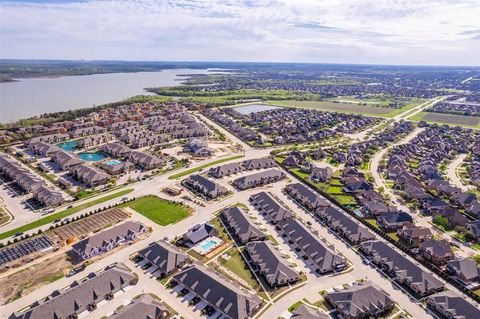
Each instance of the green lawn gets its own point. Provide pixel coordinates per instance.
(337, 190)
(50, 218)
(352, 108)
(444, 118)
(195, 169)
(237, 265)
(345, 199)
(158, 210)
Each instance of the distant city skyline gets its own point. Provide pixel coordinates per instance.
(304, 31)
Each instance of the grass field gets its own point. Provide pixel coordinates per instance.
(195, 169)
(158, 210)
(50, 218)
(451, 119)
(352, 108)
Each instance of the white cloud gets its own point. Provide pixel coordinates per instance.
(349, 31)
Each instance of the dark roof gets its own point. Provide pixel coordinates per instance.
(437, 247)
(79, 295)
(306, 312)
(272, 265)
(402, 266)
(360, 299)
(199, 232)
(466, 267)
(267, 204)
(144, 307)
(163, 255)
(218, 292)
(241, 224)
(323, 258)
(456, 305)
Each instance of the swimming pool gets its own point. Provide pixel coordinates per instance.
(68, 146)
(208, 245)
(92, 157)
(113, 162)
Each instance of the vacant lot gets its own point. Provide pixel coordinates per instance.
(452, 119)
(158, 210)
(353, 108)
(32, 278)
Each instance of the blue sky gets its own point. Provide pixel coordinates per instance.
(433, 32)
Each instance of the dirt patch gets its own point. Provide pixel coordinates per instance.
(452, 119)
(32, 278)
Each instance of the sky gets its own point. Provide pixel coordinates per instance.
(418, 32)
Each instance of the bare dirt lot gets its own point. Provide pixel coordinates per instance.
(31, 278)
(452, 119)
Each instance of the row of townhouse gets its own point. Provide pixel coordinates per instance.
(95, 140)
(266, 259)
(205, 187)
(108, 239)
(29, 182)
(164, 258)
(401, 268)
(50, 139)
(322, 258)
(237, 167)
(81, 297)
(90, 175)
(259, 179)
(218, 292)
(365, 300)
(145, 161)
(328, 214)
(86, 131)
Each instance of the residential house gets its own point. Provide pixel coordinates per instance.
(145, 161)
(259, 179)
(309, 247)
(66, 160)
(241, 225)
(81, 297)
(218, 292)
(401, 268)
(199, 232)
(108, 239)
(365, 300)
(306, 197)
(268, 206)
(465, 270)
(199, 147)
(413, 234)
(436, 251)
(164, 257)
(205, 187)
(394, 220)
(143, 307)
(268, 262)
(453, 306)
(90, 175)
(321, 174)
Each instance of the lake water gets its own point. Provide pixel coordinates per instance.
(253, 108)
(36, 96)
(92, 157)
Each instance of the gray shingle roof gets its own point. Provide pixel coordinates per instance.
(218, 292)
(79, 295)
(242, 225)
(163, 255)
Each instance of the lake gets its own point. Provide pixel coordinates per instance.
(253, 108)
(36, 96)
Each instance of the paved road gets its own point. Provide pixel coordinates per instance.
(452, 173)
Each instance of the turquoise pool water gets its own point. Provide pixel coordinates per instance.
(207, 246)
(113, 162)
(68, 146)
(92, 157)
